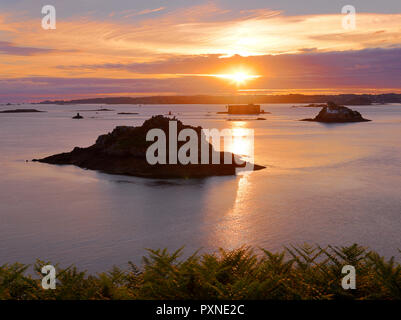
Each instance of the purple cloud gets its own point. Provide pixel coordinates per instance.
(370, 69)
(11, 49)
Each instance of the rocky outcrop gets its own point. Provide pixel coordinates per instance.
(21, 111)
(101, 109)
(123, 151)
(332, 113)
(311, 105)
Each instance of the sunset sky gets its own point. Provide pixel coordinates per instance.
(135, 48)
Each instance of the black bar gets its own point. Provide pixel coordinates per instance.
(160, 310)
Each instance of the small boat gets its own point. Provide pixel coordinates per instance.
(78, 116)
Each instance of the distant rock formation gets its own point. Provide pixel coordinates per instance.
(101, 109)
(21, 111)
(341, 99)
(123, 151)
(332, 113)
(311, 105)
(358, 101)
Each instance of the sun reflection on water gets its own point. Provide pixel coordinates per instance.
(241, 143)
(233, 232)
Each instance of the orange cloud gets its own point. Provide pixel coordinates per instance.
(197, 30)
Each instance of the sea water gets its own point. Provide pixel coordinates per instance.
(335, 184)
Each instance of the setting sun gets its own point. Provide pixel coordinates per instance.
(238, 77)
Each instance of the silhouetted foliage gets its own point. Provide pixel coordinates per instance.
(305, 272)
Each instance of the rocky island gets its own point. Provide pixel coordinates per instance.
(21, 111)
(332, 113)
(123, 151)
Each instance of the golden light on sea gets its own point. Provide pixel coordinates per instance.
(242, 141)
(241, 144)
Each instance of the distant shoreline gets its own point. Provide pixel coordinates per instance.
(344, 99)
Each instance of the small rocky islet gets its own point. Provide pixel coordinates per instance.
(311, 105)
(21, 111)
(333, 113)
(78, 117)
(123, 152)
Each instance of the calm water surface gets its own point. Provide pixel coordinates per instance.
(325, 184)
